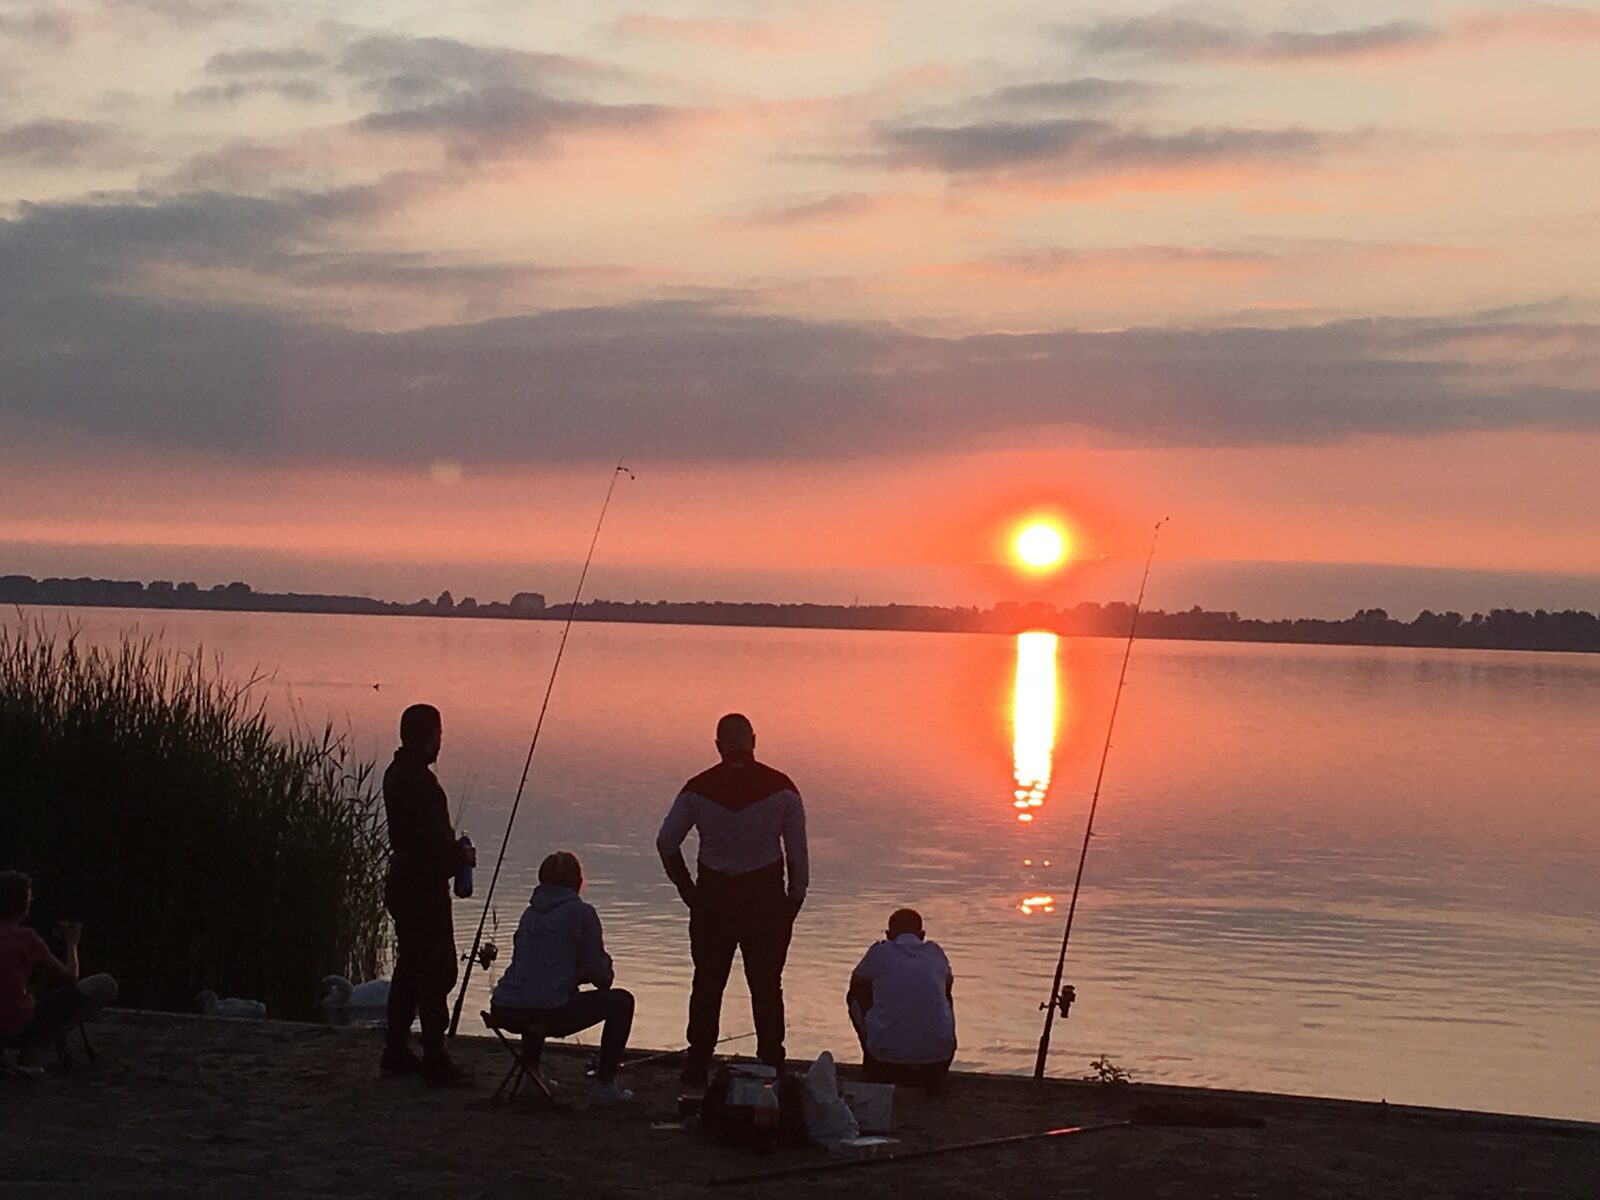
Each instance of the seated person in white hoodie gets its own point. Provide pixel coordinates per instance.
(559, 946)
(901, 1002)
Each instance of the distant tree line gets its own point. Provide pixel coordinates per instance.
(241, 597)
(1498, 629)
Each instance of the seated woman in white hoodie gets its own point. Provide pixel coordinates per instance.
(559, 946)
(901, 1002)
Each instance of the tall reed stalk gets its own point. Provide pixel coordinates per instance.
(150, 797)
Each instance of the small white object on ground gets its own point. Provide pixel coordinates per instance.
(829, 1120)
(602, 1095)
(872, 1105)
(868, 1146)
(374, 993)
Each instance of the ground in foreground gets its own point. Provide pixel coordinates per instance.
(182, 1106)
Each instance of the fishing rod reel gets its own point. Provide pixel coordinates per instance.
(1063, 1001)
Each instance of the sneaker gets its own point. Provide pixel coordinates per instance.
(695, 1074)
(399, 1060)
(603, 1095)
(441, 1070)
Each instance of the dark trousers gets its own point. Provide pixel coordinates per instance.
(930, 1075)
(614, 1006)
(54, 1013)
(752, 914)
(424, 967)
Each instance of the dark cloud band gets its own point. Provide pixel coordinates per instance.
(681, 380)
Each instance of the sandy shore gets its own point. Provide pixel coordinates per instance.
(185, 1106)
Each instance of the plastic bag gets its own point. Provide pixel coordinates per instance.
(829, 1120)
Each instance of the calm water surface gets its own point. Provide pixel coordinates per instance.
(1336, 870)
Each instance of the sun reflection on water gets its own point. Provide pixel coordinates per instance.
(1033, 721)
(1034, 715)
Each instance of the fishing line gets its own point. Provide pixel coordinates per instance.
(1061, 998)
(550, 687)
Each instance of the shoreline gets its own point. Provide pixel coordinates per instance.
(184, 1105)
(557, 613)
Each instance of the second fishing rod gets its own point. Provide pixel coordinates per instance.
(533, 745)
(1061, 998)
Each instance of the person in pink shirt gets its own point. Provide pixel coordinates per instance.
(66, 1000)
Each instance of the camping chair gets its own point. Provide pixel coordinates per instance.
(19, 1043)
(521, 1067)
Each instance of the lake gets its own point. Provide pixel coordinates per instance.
(1334, 870)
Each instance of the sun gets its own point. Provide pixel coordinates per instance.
(1040, 546)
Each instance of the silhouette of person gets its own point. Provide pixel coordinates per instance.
(559, 945)
(750, 821)
(424, 858)
(69, 1000)
(901, 1002)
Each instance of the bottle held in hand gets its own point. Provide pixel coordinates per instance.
(464, 875)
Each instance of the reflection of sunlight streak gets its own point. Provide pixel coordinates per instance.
(1029, 905)
(1033, 717)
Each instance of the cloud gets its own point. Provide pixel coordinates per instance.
(819, 208)
(259, 59)
(43, 26)
(85, 353)
(484, 102)
(1175, 36)
(1061, 260)
(499, 122)
(1179, 37)
(1252, 256)
(299, 248)
(404, 71)
(58, 143)
(298, 89)
(286, 72)
(1089, 92)
(194, 12)
(67, 249)
(816, 35)
(1085, 146)
(423, 273)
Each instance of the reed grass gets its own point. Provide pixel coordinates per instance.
(150, 797)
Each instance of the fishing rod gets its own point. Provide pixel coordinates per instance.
(1061, 998)
(660, 1055)
(903, 1156)
(527, 765)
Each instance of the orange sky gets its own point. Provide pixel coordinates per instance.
(372, 305)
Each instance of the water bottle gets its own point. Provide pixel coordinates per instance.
(464, 875)
(765, 1120)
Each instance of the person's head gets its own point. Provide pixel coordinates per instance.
(736, 737)
(16, 894)
(422, 731)
(562, 869)
(904, 920)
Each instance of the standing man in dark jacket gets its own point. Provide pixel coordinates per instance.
(424, 857)
(751, 821)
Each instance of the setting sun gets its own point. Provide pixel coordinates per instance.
(1040, 545)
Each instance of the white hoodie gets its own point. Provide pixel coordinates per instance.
(911, 1019)
(558, 946)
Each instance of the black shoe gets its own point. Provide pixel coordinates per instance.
(695, 1072)
(440, 1070)
(399, 1060)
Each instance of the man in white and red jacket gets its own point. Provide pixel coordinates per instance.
(751, 823)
